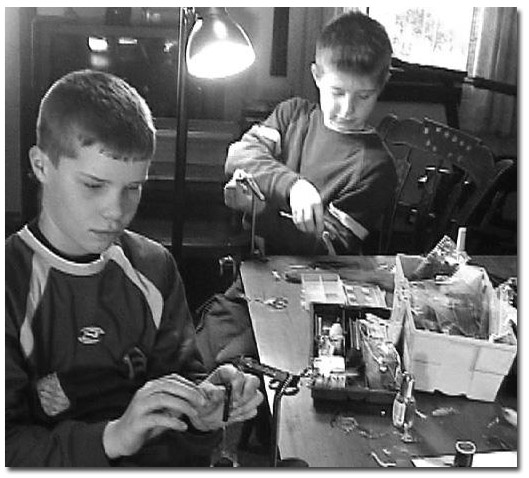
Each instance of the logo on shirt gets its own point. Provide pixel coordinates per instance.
(90, 335)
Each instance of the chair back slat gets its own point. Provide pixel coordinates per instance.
(452, 170)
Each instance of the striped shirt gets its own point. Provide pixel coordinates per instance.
(81, 339)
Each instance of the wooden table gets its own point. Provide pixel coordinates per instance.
(283, 340)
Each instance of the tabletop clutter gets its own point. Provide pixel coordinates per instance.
(448, 329)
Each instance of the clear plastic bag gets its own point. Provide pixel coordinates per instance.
(443, 259)
(504, 316)
(458, 305)
(381, 359)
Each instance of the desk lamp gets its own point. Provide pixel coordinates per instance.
(210, 45)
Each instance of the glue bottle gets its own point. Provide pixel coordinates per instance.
(404, 404)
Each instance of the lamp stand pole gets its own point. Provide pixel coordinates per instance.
(178, 211)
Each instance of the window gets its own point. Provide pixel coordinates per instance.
(433, 36)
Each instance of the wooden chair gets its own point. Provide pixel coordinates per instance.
(444, 175)
(493, 226)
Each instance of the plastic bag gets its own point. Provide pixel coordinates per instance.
(504, 315)
(381, 359)
(443, 259)
(459, 305)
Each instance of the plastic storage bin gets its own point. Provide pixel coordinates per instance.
(454, 365)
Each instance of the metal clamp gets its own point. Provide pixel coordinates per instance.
(247, 179)
(283, 383)
(242, 177)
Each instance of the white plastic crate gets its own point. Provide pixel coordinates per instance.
(454, 365)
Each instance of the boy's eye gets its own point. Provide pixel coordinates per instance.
(365, 96)
(93, 185)
(134, 187)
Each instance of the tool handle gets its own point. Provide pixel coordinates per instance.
(227, 402)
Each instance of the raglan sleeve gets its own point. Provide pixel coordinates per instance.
(27, 443)
(175, 349)
(260, 152)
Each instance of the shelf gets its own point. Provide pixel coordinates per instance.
(210, 237)
(163, 171)
(207, 146)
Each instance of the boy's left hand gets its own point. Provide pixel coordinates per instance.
(245, 397)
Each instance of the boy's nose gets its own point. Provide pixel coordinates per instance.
(347, 106)
(114, 207)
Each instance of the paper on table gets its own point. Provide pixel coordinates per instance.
(493, 459)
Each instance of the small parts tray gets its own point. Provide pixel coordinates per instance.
(336, 355)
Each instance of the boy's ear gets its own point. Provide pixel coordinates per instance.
(316, 74)
(40, 163)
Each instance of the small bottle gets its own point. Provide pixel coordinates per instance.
(404, 404)
(336, 338)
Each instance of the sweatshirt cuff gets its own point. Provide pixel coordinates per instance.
(87, 449)
(282, 190)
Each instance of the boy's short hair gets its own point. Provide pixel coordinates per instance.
(87, 107)
(354, 42)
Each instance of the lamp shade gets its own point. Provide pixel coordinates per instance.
(217, 46)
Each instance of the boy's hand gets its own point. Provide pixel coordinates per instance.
(307, 208)
(245, 398)
(158, 406)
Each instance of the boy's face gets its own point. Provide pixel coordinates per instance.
(89, 200)
(346, 99)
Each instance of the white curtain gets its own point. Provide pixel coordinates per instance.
(485, 112)
(482, 112)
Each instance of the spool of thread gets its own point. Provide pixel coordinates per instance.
(224, 462)
(465, 450)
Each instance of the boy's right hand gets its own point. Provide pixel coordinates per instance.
(158, 406)
(307, 208)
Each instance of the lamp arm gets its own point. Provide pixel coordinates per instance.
(187, 37)
(185, 23)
